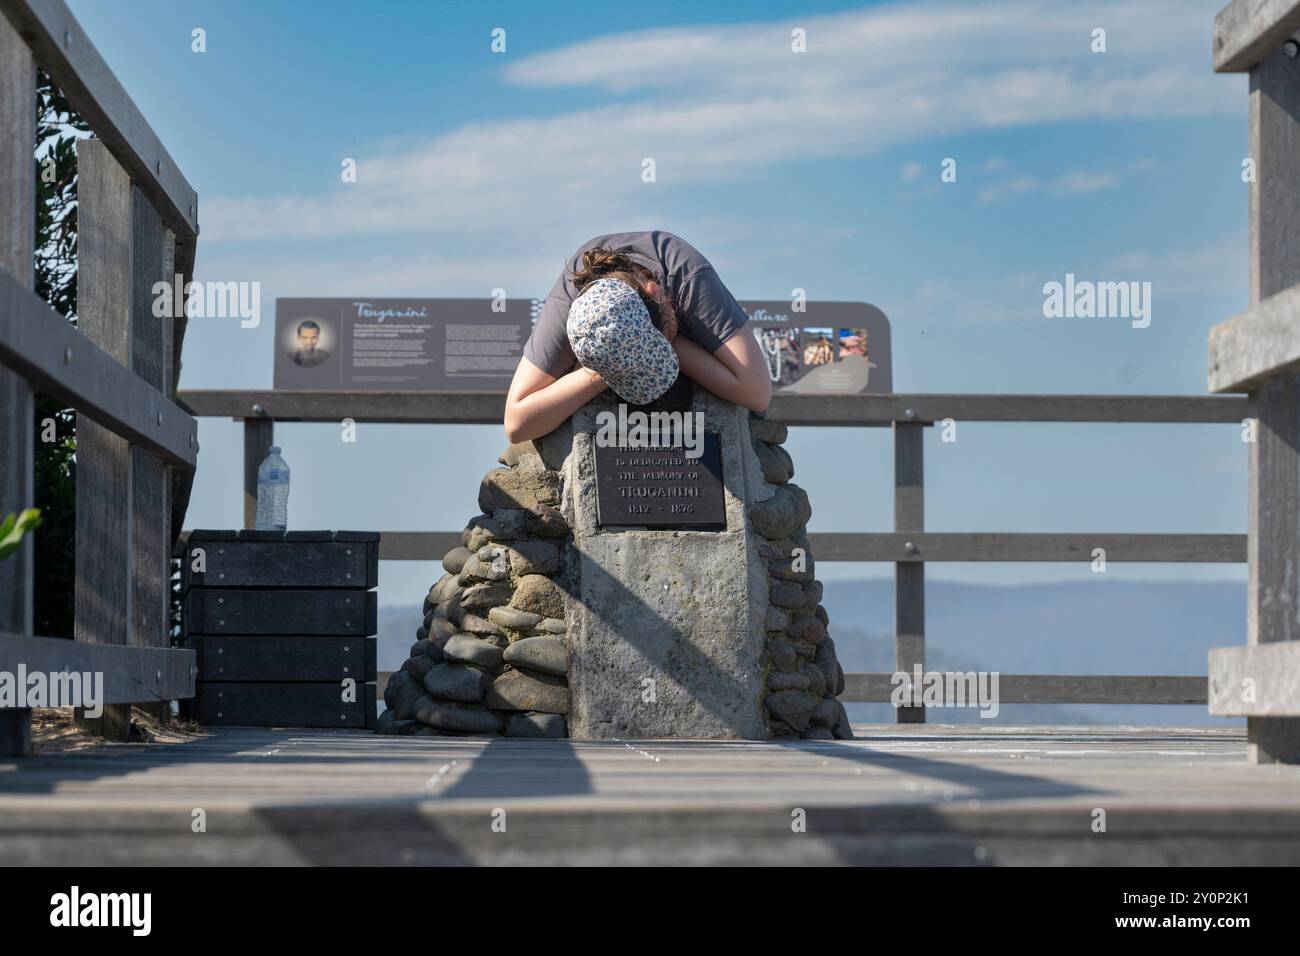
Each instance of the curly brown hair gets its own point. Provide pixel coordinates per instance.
(602, 263)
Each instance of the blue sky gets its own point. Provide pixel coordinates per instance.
(817, 170)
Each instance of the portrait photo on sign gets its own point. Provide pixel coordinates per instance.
(309, 342)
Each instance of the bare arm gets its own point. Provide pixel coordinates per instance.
(538, 403)
(736, 372)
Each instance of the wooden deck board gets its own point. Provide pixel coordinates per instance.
(910, 794)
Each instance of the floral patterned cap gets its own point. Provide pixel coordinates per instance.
(610, 332)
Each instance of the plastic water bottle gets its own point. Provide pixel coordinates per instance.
(273, 493)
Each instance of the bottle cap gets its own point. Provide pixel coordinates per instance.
(275, 449)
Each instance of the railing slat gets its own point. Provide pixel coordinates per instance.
(66, 53)
(1261, 680)
(909, 578)
(105, 502)
(1257, 344)
(488, 408)
(61, 361)
(130, 674)
(1246, 31)
(935, 546)
(876, 688)
(151, 359)
(1272, 598)
(17, 236)
(1029, 546)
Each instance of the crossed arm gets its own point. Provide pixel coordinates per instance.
(539, 403)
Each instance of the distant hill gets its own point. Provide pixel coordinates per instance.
(1082, 627)
(1085, 627)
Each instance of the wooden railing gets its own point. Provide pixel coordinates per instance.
(136, 448)
(909, 546)
(1258, 352)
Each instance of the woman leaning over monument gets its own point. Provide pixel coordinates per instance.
(629, 311)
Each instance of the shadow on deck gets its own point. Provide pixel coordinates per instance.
(899, 795)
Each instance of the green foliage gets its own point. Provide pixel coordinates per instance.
(57, 130)
(13, 527)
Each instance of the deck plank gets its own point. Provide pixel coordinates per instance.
(901, 794)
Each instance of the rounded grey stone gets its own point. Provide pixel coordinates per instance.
(534, 556)
(842, 729)
(783, 654)
(769, 431)
(399, 728)
(483, 596)
(407, 697)
(517, 452)
(476, 571)
(816, 679)
(515, 690)
(776, 470)
(787, 595)
(480, 626)
(513, 618)
(788, 569)
(806, 627)
(417, 666)
(782, 680)
(504, 525)
(778, 516)
(428, 648)
(537, 725)
(455, 559)
(540, 595)
(545, 654)
(459, 719)
(793, 707)
(547, 522)
(465, 685)
(395, 683)
(439, 630)
(830, 668)
(472, 650)
(825, 713)
(520, 487)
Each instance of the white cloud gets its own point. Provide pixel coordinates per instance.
(725, 102)
(1015, 186)
(1188, 274)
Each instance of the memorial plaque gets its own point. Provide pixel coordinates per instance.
(660, 488)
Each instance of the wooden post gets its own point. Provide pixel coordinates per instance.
(909, 576)
(1273, 600)
(17, 413)
(106, 591)
(259, 436)
(151, 485)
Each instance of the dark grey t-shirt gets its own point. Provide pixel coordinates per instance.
(707, 313)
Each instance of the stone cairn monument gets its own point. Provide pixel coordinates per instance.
(609, 591)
